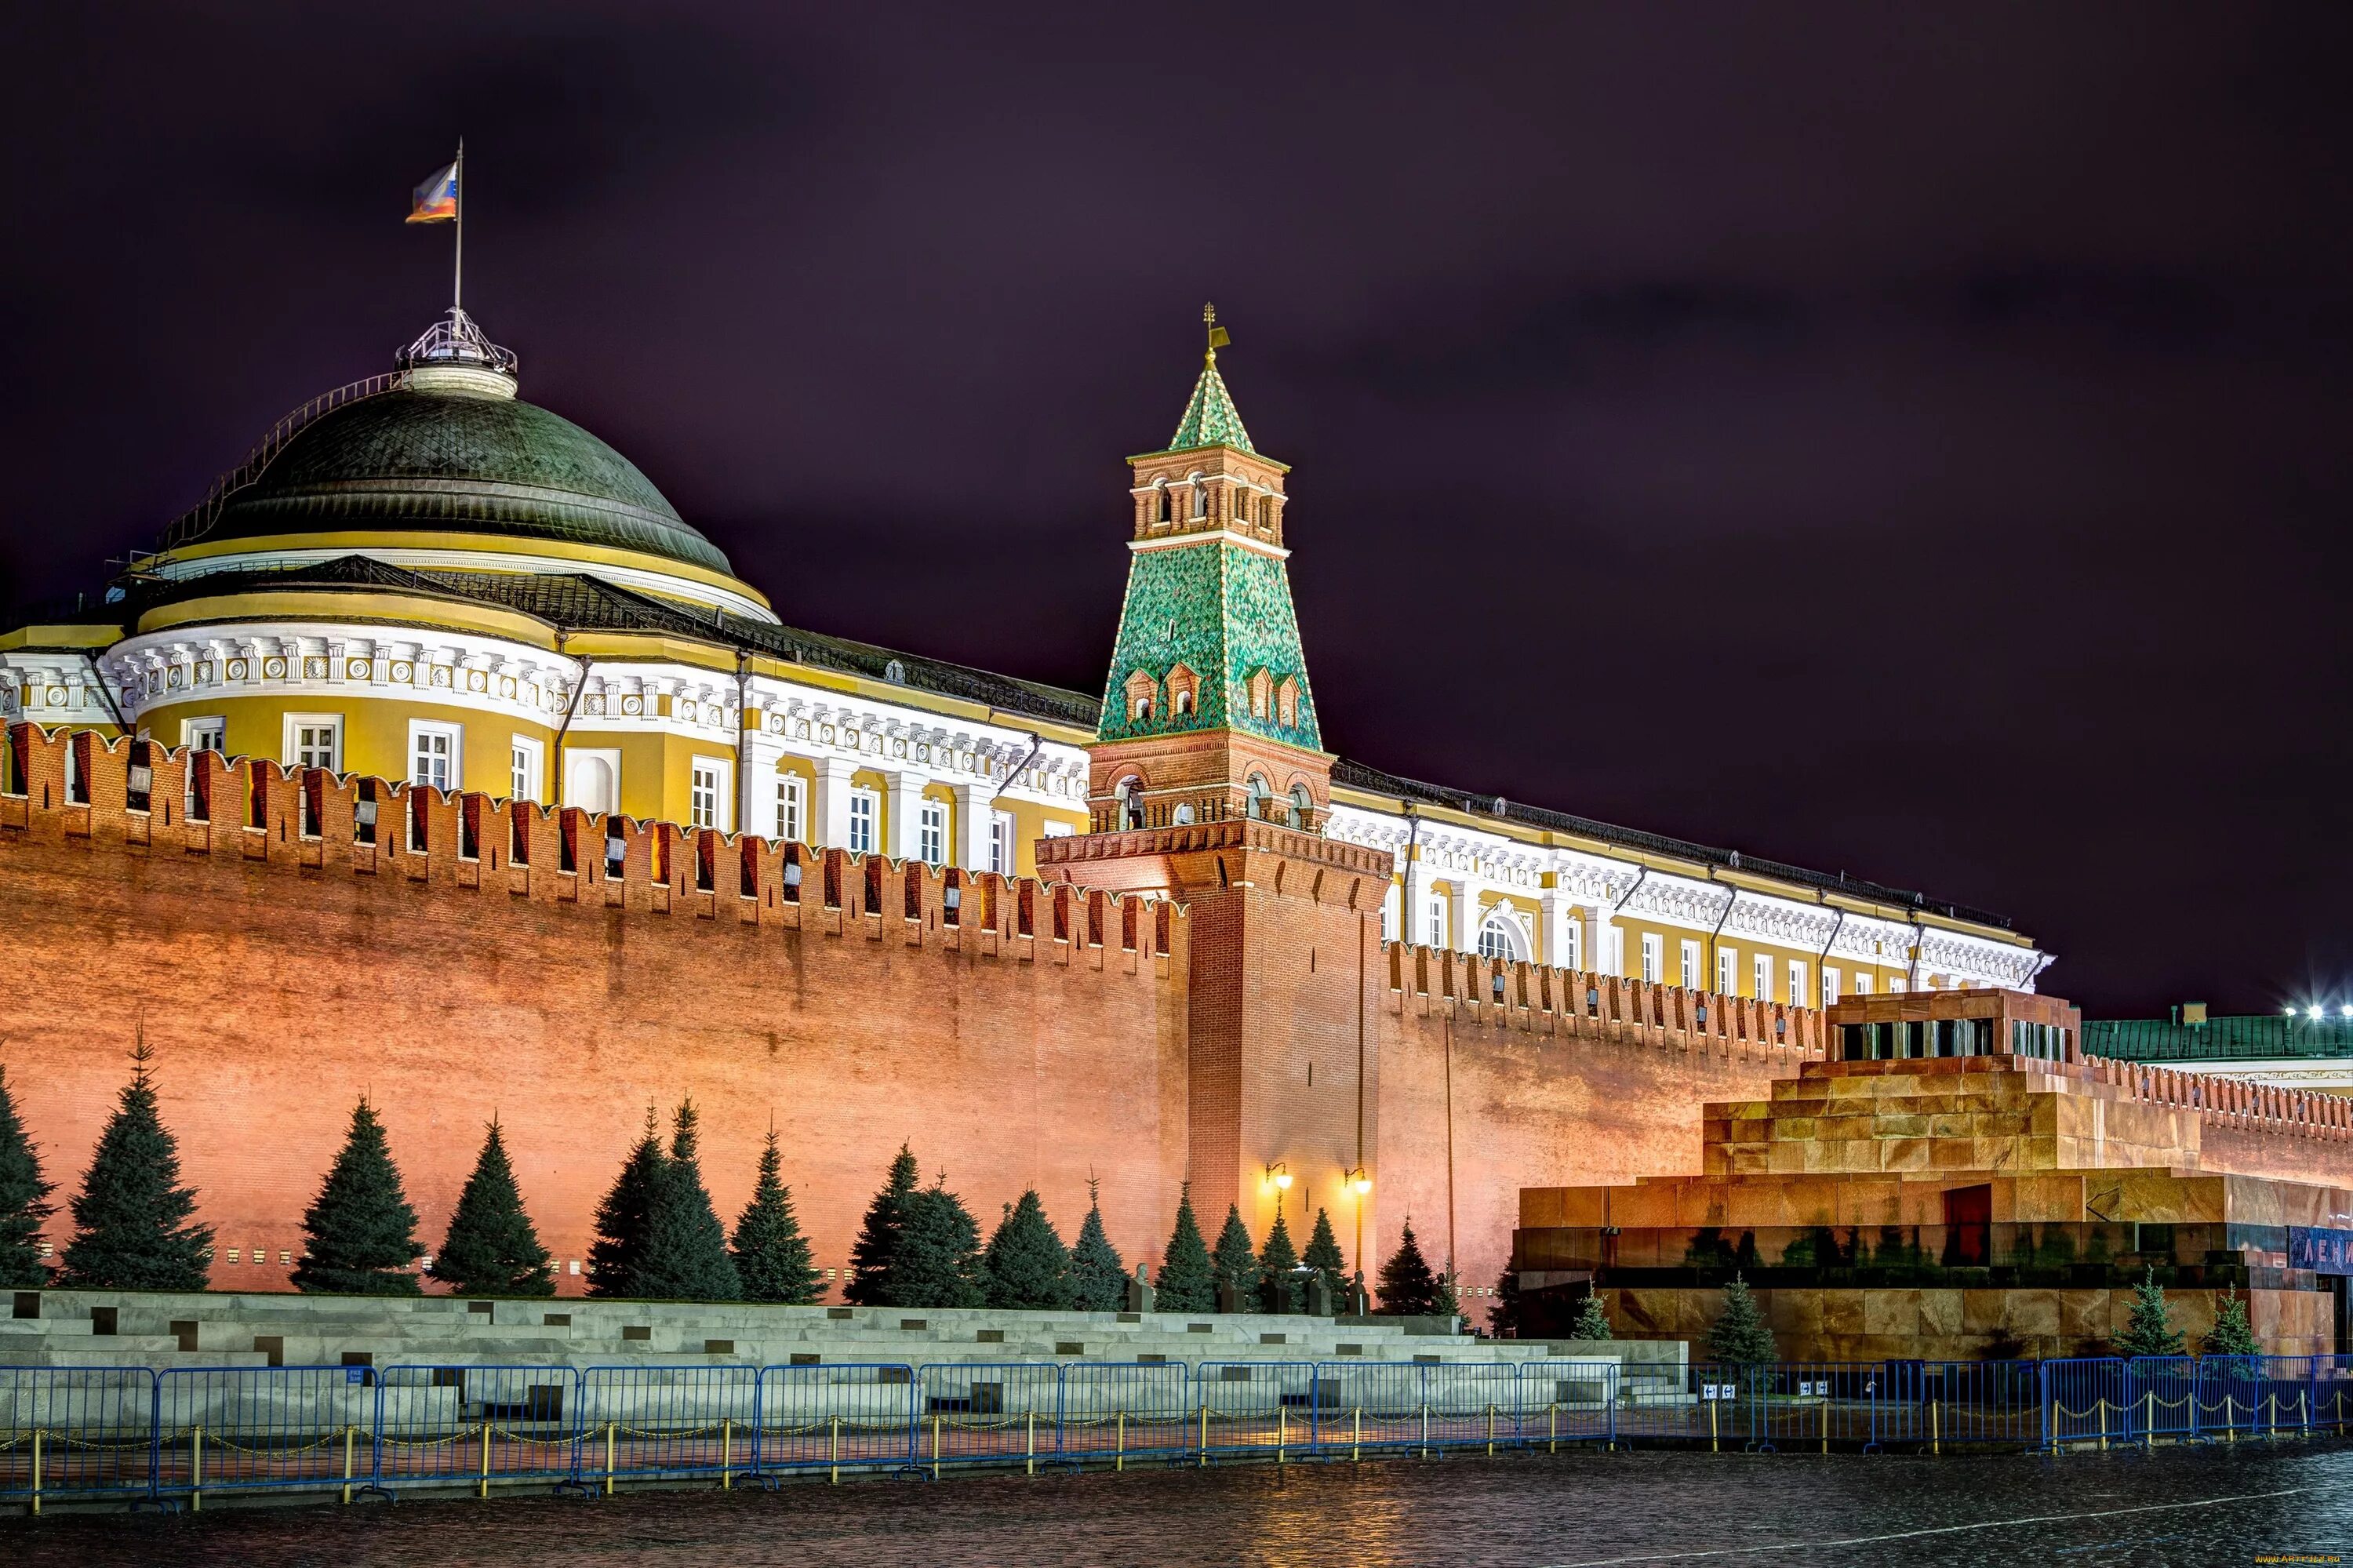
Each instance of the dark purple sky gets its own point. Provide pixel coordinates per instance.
(1912, 446)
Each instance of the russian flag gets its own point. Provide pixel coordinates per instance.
(437, 199)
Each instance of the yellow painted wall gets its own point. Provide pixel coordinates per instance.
(376, 731)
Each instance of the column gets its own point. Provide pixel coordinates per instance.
(829, 813)
(1601, 954)
(906, 797)
(973, 811)
(1554, 916)
(1462, 919)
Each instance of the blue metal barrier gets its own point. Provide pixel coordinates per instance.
(987, 1413)
(232, 1429)
(482, 1425)
(1567, 1401)
(1971, 1402)
(1254, 1407)
(1122, 1411)
(665, 1421)
(76, 1432)
(2164, 1396)
(849, 1417)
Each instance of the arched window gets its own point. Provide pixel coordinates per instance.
(1303, 805)
(1182, 814)
(1160, 508)
(1200, 497)
(1184, 704)
(1143, 709)
(1131, 797)
(1259, 792)
(1501, 937)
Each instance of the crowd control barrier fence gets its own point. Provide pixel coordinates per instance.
(182, 1436)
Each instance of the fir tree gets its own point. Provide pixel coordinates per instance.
(360, 1233)
(1322, 1255)
(1592, 1319)
(1027, 1265)
(2150, 1331)
(24, 1207)
(936, 1262)
(617, 1257)
(1503, 1317)
(1282, 1286)
(1446, 1300)
(1739, 1336)
(1234, 1261)
(491, 1248)
(1185, 1283)
(131, 1229)
(2232, 1334)
(686, 1248)
(1098, 1278)
(772, 1258)
(878, 1236)
(1408, 1288)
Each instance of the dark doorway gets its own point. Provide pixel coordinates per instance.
(1969, 1226)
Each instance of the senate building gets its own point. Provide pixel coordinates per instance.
(424, 600)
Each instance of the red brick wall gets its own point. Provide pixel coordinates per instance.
(279, 978)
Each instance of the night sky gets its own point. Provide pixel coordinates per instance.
(1908, 446)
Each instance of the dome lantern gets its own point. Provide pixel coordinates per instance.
(456, 356)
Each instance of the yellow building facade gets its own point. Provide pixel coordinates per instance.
(425, 577)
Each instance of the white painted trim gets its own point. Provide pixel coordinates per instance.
(1206, 536)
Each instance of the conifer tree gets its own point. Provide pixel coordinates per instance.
(1098, 1276)
(1407, 1287)
(2232, 1334)
(617, 1257)
(1322, 1255)
(1278, 1267)
(131, 1229)
(1234, 1261)
(1026, 1265)
(878, 1235)
(1592, 1319)
(936, 1262)
(772, 1258)
(1446, 1300)
(360, 1233)
(686, 1248)
(2150, 1331)
(1185, 1283)
(491, 1247)
(1739, 1336)
(24, 1207)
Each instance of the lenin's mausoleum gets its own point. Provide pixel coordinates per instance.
(436, 757)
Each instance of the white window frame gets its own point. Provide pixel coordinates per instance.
(1438, 924)
(290, 750)
(1830, 984)
(1797, 982)
(1691, 966)
(455, 734)
(932, 832)
(865, 820)
(1001, 842)
(1654, 958)
(1511, 937)
(527, 768)
(792, 809)
(1863, 985)
(1727, 971)
(1051, 828)
(205, 734)
(1763, 966)
(706, 792)
(1572, 944)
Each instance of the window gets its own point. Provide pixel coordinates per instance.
(703, 794)
(1184, 704)
(1501, 937)
(1438, 922)
(1160, 501)
(931, 832)
(1653, 958)
(1053, 829)
(1764, 991)
(1727, 965)
(865, 817)
(1572, 945)
(1200, 497)
(1143, 710)
(1863, 985)
(314, 740)
(1797, 983)
(792, 797)
(1260, 791)
(1829, 985)
(1303, 806)
(205, 734)
(1001, 842)
(1691, 966)
(526, 765)
(433, 753)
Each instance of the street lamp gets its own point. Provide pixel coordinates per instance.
(1360, 1183)
(1278, 1176)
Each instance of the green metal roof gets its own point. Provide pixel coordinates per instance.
(436, 461)
(2249, 1038)
(1210, 419)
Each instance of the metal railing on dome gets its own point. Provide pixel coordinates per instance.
(182, 1436)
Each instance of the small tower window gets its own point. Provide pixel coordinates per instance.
(1260, 793)
(1184, 704)
(1200, 497)
(1160, 508)
(1131, 797)
(1303, 806)
(1143, 709)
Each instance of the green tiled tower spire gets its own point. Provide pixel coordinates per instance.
(1208, 616)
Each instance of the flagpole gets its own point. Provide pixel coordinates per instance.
(458, 283)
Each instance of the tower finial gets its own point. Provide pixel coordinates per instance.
(1218, 339)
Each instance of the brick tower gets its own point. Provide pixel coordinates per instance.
(1208, 782)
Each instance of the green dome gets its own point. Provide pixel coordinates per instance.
(456, 461)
